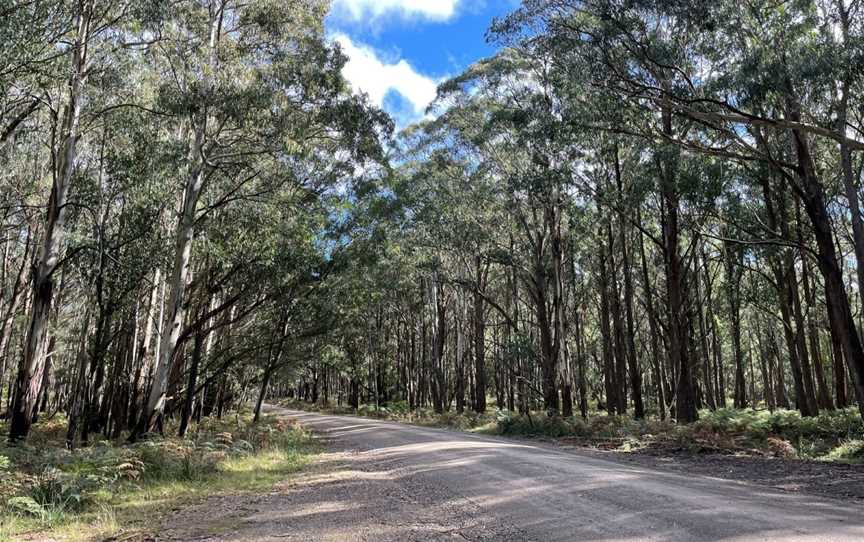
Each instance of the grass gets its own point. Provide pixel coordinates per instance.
(832, 436)
(850, 451)
(110, 488)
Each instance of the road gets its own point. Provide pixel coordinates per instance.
(401, 482)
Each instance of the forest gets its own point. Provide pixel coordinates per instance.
(636, 208)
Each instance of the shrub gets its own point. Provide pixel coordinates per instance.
(779, 447)
(850, 451)
(399, 407)
(809, 437)
(537, 425)
(47, 483)
(26, 506)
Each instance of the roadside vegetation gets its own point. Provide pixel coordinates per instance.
(114, 489)
(836, 436)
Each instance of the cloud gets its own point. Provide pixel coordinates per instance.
(367, 72)
(362, 10)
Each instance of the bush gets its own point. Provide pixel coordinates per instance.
(850, 451)
(399, 407)
(537, 425)
(808, 437)
(49, 482)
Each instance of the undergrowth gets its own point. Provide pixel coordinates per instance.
(831, 436)
(110, 487)
(834, 436)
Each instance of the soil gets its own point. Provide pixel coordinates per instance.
(383, 481)
(826, 479)
(344, 495)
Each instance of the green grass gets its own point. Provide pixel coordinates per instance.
(850, 451)
(111, 488)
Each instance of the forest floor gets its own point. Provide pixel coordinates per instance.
(111, 491)
(386, 481)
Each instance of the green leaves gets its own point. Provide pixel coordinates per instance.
(26, 506)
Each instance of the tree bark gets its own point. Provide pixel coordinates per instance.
(32, 365)
(733, 256)
(620, 350)
(653, 329)
(813, 195)
(479, 320)
(606, 336)
(685, 395)
(182, 246)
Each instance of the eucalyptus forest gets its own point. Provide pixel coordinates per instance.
(636, 209)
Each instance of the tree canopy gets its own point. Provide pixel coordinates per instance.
(638, 207)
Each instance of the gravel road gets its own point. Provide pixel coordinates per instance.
(385, 481)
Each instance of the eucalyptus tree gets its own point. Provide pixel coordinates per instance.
(457, 213)
(115, 236)
(240, 86)
(85, 37)
(722, 80)
(137, 123)
(516, 131)
(626, 197)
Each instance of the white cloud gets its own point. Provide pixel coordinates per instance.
(361, 10)
(367, 72)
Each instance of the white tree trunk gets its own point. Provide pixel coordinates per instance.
(29, 379)
(182, 247)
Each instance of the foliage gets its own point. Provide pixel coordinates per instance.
(50, 487)
(850, 451)
(832, 436)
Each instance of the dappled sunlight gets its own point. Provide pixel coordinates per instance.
(527, 487)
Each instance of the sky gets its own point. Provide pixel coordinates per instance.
(400, 50)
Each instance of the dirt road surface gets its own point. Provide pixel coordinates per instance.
(384, 481)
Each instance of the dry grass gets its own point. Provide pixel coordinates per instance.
(111, 489)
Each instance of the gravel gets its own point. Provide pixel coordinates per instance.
(384, 481)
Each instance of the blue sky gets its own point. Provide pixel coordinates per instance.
(400, 50)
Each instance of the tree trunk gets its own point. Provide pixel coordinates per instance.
(262, 394)
(479, 312)
(733, 257)
(839, 366)
(79, 387)
(801, 344)
(685, 395)
(813, 195)
(703, 343)
(32, 365)
(823, 396)
(182, 248)
(620, 350)
(606, 336)
(653, 329)
(780, 267)
(191, 384)
(630, 340)
(580, 356)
